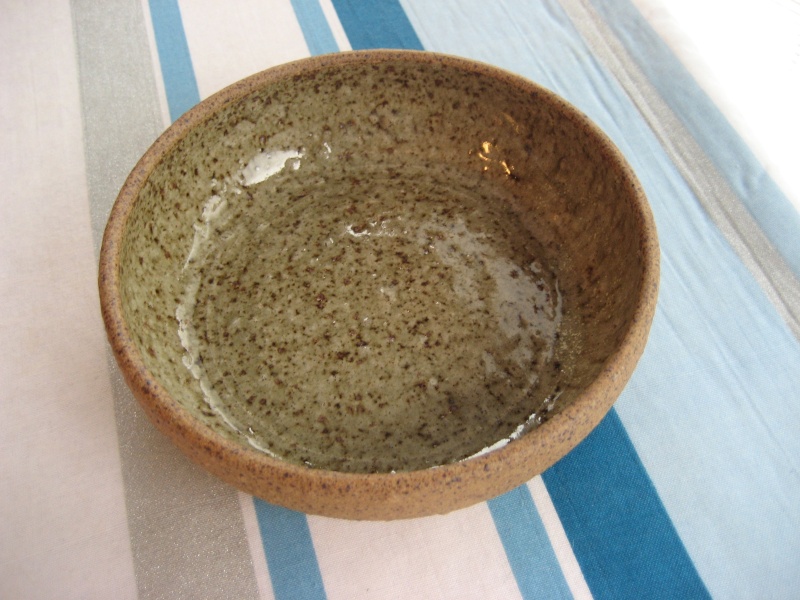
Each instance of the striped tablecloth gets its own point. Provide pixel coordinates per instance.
(689, 488)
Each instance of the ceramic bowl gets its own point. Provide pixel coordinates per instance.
(379, 285)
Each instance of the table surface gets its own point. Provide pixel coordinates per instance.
(689, 488)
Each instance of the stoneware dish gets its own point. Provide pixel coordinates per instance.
(379, 285)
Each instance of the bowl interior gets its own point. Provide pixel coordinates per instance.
(380, 265)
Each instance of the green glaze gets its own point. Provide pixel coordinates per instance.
(383, 267)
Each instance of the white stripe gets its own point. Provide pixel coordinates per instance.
(229, 41)
(336, 26)
(707, 36)
(558, 539)
(456, 556)
(256, 545)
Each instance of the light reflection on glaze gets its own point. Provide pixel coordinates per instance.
(521, 300)
(489, 153)
(258, 169)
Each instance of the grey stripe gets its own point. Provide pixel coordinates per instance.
(186, 527)
(720, 202)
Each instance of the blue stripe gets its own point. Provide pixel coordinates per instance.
(659, 558)
(622, 536)
(290, 553)
(548, 49)
(376, 24)
(719, 357)
(527, 546)
(288, 548)
(173, 54)
(733, 158)
(314, 26)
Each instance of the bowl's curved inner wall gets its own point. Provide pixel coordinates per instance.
(390, 266)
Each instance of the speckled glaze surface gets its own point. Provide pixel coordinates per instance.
(379, 285)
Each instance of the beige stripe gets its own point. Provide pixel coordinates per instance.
(720, 202)
(186, 528)
(63, 532)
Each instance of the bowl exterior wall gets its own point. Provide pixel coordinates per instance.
(438, 490)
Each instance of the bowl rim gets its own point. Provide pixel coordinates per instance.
(235, 462)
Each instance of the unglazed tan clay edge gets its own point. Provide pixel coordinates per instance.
(381, 496)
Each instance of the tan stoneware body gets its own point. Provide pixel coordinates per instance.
(379, 285)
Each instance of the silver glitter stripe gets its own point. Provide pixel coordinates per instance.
(718, 199)
(186, 527)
